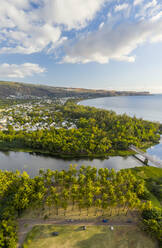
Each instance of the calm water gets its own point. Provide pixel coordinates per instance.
(146, 107)
(33, 163)
(156, 151)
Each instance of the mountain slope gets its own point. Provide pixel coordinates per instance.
(14, 89)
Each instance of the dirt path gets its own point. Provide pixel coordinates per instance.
(25, 225)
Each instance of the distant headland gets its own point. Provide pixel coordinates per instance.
(24, 90)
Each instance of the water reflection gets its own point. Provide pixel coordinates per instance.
(32, 163)
(147, 107)
(156, 151)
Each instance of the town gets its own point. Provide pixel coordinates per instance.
(35, 115)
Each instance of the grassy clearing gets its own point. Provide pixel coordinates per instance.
(94, 236)
(153, 179)
(155, 201)
(146, 172)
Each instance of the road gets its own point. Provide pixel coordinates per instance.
(25, 225)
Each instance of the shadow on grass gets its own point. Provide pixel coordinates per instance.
(110, 240)
(96, 241)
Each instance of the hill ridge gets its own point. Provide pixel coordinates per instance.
(20, 90)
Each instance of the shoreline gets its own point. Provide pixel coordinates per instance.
(122, 153)
(7, 147)
(68, 156)
(79, 102)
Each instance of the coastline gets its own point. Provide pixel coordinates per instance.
(17, 147)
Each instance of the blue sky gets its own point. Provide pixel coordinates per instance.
(108, 44)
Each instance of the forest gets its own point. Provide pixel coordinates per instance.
(75, 130)
(68, 129)
(82, 188)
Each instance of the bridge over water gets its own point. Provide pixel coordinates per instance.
(146, 156)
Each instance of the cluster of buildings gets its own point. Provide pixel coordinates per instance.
(31, 117)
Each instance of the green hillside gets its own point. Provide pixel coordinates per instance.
(14, 89)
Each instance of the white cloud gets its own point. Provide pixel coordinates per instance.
(157, 38)
(23, 31)
(109, 15)
(150, 4)
(148, 10)
(20, 4)
(121, 7)
(138, 2)
(29, 30)
(19, 71)
(101, 25)
(71, 13)
(157, 17)
(26, 30)
(113, 44)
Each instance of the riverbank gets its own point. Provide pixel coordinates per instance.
(66, 156)
(145, 107)
(78, 133)
(9, 147)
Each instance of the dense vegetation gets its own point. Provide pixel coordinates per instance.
(95, 132)
(74, 130)
(151, 218)
(84, 188)
(153, 183)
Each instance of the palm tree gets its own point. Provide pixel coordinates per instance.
(98, 203)
(88, 202)
(74, 194)
(64, 199)
(55, 198)
(104, 202)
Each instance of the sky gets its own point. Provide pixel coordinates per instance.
(99, 44)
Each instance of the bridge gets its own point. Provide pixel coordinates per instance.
(146, 156)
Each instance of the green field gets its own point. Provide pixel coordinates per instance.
(153, 183)
(92, 237)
